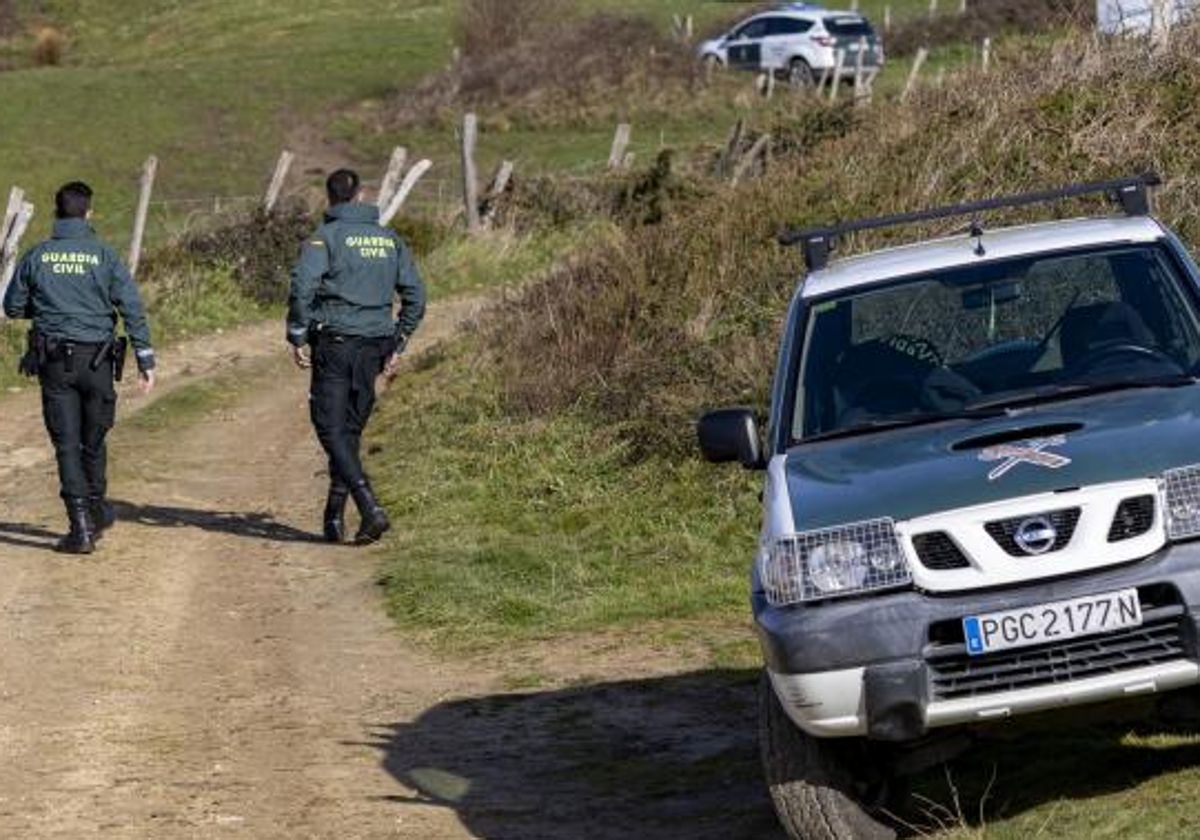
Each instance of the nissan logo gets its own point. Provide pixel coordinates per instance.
(1036, 536)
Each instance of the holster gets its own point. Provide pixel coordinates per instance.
(119, 352)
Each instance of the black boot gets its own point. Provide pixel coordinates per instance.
(335, 514)
(375, 522)
(101, 514)
(81, 539)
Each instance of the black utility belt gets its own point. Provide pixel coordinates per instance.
(45, 349)
(318, 335)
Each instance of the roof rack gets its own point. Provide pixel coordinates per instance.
(1133, 195)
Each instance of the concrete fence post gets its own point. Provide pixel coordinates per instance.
(12, 246)
(620, 145)
(404, 190)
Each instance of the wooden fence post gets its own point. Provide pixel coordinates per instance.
(838, 66)
(759, 149)
(729, 154)
(16, 198)
(470, 175)
(620, 144)
(887, 18)
(859, 78)
(277, 180)
(985, 55)
(405, 189)
(149, 171)
(914, 73)
(495, 191)
(962, 7)
(1160, 24)
(391, 178)
(11, 249)
(933, 7)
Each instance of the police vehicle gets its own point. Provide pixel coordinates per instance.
(982, 492)
(799, 41)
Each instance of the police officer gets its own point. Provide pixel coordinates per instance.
(341, 324)
(73, 288)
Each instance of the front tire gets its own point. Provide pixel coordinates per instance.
(823, 789)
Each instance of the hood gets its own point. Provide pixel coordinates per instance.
(354, 213)
(907, 473)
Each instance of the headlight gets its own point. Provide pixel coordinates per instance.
(834, 563)
(1180, 490)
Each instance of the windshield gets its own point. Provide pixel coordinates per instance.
(994, 334)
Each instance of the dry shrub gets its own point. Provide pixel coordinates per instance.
(645, 333)
(546, 62)
(988, 19)
(48, 48)
(487, 26)
(258, 248)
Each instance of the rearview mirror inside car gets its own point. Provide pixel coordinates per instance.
(982, 297)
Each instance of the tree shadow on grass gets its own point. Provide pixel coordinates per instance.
(677, 757)
(649, 759)
(27, 536)
(256, 526)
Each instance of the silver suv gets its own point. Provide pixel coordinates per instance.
(798, 41)
(982, 493)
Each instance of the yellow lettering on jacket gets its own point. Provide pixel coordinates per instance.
(372, 247)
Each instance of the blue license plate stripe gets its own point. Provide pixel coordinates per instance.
(974, 636)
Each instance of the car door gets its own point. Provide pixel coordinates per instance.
(784, 41)
(745, 47)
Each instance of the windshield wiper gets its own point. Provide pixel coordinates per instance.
(884, 424)
(1080, 389)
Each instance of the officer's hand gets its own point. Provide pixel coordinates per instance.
(300, 357)
(147, 380)
(392, 366)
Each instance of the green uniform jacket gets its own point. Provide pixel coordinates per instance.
(73, 287)
(348, 277)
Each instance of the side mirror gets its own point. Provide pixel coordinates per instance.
(731, 436)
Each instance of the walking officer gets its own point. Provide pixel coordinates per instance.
(73, 288)
(341, 323)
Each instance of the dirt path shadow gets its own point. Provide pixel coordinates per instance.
(674, 757)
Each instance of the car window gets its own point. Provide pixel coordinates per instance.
(941, 342)
(849, 27)
(787, 26)
(752, 30)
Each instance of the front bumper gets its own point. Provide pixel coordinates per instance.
(891, 668)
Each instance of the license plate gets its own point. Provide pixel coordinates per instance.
(1046, 623)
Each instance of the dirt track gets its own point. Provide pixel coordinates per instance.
(214, 672)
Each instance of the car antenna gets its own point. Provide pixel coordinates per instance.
(977, 233)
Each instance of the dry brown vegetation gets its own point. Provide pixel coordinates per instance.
(685, 314)
(989, 19)
(533, 57)
(48, 47)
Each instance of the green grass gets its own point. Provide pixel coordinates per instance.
(514, 530)
(190, 403)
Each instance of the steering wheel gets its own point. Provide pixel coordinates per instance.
(1097, 356)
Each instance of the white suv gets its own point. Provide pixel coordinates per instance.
(982, 493)
(800, 41)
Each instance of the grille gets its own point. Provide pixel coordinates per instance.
(1004, 531)
(1134, 518)
(937, 551)
(960, 675)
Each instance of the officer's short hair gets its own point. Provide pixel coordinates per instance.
(73, 200)
(343, 186)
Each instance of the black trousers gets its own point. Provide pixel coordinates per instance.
(79, 406)
(342, 399)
